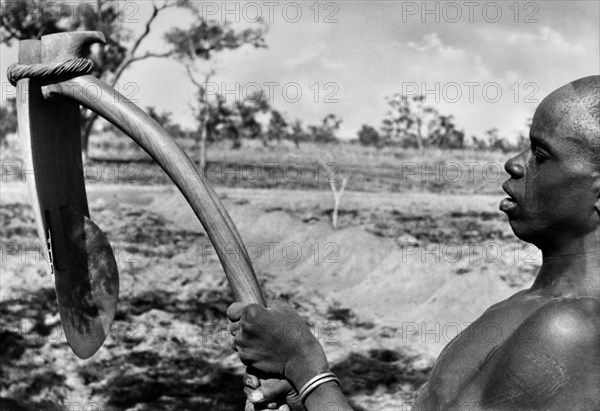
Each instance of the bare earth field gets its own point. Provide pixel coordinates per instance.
(384, 293)
(407, 269)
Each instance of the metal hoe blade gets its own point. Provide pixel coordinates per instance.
(81, 259)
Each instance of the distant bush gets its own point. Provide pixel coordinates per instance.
(368, 136)
(321, 135)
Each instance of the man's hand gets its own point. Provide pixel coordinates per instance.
(270, 394)
(277, 341)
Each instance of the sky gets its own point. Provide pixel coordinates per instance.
(488, 64)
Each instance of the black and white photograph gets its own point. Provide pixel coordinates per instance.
(313, 205)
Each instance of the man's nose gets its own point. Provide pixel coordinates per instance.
(515, 167)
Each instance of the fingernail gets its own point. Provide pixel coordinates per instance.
(256, 396)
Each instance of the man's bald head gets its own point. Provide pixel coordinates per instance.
(573, 112)
(555, 186)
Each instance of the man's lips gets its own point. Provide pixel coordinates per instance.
(509, 203)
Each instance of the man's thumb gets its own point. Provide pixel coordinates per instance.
(269, 390)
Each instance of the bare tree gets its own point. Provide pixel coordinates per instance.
(337, 194)
(203, 113)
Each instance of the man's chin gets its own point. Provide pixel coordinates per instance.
(522, 230)
(512, 211)
(529, 229)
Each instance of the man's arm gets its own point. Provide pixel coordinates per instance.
(551, 362)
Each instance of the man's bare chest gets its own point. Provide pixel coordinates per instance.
(476, 348)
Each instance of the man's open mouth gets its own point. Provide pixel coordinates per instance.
(508, 203)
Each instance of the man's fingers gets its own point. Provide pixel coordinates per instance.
(269, 393)
(234, 328)
(269, 390)
(251, 381)
(263, 407)
(235, 310)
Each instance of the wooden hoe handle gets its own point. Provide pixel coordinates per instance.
(156, 141)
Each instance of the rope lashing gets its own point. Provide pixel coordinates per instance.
(70, 68)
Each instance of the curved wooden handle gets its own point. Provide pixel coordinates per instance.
(156, 141)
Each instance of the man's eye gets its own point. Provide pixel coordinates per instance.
(540, 155)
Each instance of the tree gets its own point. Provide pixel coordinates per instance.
(297, 133)
(325, 132)
(27, 19)
(404, 120)
(202, 116)
(31, 19)
(398, 124)
(196, 45)
(411, 122)
(8, 118)
(368, 136)
(261, 120)
(256, 115)
(444, 134)
(223, 122)
(278, 127)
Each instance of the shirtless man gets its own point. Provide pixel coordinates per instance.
(548, 355)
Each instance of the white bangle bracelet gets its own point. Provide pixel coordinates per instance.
(314, 382)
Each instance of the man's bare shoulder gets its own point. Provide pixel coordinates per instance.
(565, 325)
(552, 359)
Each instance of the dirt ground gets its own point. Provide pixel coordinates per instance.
(384, 293)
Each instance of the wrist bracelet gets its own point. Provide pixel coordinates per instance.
(314, 382)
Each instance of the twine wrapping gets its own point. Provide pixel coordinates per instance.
(70, 68)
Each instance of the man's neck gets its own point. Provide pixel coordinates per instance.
(571, 268)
